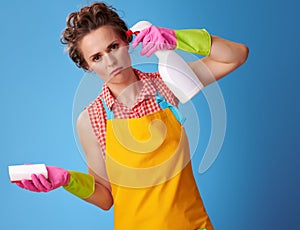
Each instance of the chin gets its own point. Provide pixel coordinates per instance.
(118, 79)
(122, 77)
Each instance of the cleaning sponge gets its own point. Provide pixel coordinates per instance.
(20, 172)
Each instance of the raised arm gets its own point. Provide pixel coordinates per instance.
(225, 56)
(221, 56)
(102, 196)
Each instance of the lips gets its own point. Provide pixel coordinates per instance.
(116, 71)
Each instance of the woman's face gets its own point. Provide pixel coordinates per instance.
(106, 54)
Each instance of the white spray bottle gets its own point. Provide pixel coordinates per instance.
(175, 72)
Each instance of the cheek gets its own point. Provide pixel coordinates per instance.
(101, 72)
(124, 57)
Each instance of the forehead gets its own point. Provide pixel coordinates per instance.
(98, 40)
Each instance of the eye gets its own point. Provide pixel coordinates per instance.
(97, 58)
(114, 46)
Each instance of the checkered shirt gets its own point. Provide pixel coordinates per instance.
(144, 105)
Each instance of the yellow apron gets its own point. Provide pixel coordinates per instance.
(149, 168)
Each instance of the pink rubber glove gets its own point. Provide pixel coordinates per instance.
(155, 38)
(56, 177)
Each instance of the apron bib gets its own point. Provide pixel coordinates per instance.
(148, 165)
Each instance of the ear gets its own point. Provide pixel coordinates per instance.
(129, 39)
(90, 70)
(86, 67)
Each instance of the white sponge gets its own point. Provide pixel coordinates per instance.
(20, 172)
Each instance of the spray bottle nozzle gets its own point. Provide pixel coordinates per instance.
(130, 32)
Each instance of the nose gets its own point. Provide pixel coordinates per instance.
(110, 59)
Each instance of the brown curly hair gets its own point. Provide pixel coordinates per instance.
(84, 21)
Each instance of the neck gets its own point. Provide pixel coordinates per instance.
(126, 90)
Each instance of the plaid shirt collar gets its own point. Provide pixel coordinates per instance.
(148, 90)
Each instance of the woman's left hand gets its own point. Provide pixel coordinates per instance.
(155, 38)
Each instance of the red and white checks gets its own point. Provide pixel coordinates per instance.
(144, 105)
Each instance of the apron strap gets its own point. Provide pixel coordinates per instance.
(164, 104)
(160, 100)
(109, 113)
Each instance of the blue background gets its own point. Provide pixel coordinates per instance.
(254, 184)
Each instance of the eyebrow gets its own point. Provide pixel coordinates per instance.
(107, 48)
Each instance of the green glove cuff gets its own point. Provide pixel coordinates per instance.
(81, 184)
(194, 41)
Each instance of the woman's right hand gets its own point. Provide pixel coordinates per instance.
(155, 38)
(39, 183)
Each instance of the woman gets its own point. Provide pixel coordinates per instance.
(132, 134)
